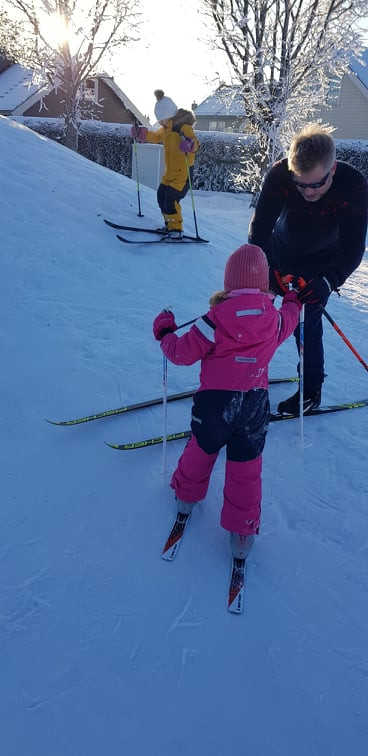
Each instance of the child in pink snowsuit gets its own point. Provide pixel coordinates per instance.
(235, 342)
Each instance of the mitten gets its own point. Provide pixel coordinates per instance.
(139, 133)
(292, 296)
(164, 323)
(187, 145)
(277, 285)
(314, 291)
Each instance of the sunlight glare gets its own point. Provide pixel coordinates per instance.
(55, 29)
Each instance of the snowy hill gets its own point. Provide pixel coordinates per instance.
(106, 649)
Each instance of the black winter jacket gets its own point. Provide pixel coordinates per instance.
(323, 238)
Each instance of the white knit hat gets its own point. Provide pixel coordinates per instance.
(165, 107)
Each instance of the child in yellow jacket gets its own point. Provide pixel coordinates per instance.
(180, 145)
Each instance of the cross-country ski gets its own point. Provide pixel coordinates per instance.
(143, 404)
(274, 418)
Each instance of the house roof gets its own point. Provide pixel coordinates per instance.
(16, 88)
(18, 92)
(225, 101)
(361, 69)
(128, 104)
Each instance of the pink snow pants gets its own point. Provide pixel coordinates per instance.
(241, 509)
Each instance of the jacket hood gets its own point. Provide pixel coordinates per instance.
(182, 117)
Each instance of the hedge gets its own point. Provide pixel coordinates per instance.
(219, 164)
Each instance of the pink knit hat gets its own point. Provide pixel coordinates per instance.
(247, 268)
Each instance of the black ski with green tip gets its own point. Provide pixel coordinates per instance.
(135, 228)
(141, 405)
(165, 239)
(274, 417)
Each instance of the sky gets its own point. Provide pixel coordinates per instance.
(105, 648)
(174, 51)
(173, 54)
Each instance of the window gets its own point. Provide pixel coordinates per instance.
(89, 89)
(217, 125)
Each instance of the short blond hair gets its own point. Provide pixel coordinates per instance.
(313, 145)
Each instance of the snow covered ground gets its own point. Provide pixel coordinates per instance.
(104, 647)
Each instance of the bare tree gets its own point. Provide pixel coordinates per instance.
(64, 41)
(285, 54)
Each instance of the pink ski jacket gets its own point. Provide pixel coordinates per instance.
(235, 340)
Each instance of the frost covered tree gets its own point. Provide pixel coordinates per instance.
(9, 32)
(64, 41)
(285, 55)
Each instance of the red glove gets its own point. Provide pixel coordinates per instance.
(164, 323)
(139, 133)
(314, 291)
(187, 145)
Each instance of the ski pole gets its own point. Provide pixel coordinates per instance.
(287, 280)
(140, 214)
(164, 405)
(164, 413)
(344, 338)
(192, 198)
(301, 372)
(164, 400)
(189, 322)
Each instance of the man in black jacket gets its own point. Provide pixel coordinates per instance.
(311, 220)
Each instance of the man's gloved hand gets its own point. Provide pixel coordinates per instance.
(314, 291)
(278, 282)
(139, 133)
(164, 323)
(187, 145)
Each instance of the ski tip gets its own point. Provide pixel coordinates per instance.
(236, 599)
(237, 584)
(169, 553)
(236, 606)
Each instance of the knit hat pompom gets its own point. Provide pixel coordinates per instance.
(165, 107)
(247, 268)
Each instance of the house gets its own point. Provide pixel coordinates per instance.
(346, 109)
(348, 101)
(224, 110)
(21, 94)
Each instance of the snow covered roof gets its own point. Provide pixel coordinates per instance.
(361, 70)
(17, 87)
(225, 101)
(18, 92)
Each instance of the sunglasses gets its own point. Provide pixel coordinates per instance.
(315, 185)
